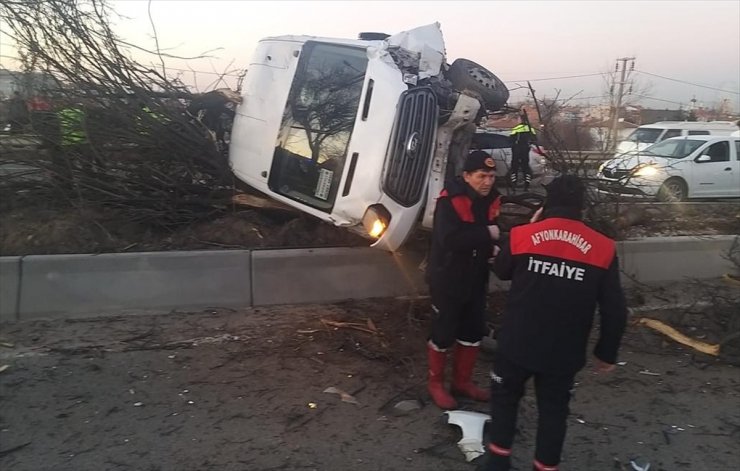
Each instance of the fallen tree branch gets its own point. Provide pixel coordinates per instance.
(709, 349)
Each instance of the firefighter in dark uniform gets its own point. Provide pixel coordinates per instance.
(560, 271)
(522, 136)
(463, 239)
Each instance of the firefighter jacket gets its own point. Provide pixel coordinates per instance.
(560, 270)
(522, 136)
(461, 244)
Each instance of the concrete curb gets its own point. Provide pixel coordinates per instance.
(658, 259)
(53, 286)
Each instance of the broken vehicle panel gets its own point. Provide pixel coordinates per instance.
(348, 130)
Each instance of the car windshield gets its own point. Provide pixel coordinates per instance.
(648, 135)
(674, 148)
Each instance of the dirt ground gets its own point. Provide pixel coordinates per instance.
(245, 390)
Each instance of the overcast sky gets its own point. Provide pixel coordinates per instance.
(689, 41)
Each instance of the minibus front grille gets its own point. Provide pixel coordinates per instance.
(411, 146)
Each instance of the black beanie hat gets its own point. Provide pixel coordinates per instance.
(479, 160)
(566, 190)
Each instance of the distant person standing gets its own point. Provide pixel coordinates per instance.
(736, 133)
(522, 136)
(17, 113)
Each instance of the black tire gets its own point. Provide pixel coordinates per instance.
(467, 75)
(673, 190)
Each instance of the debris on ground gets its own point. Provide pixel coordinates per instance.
(703, 347)
(343, 395)
(471, 425)
(407, 406)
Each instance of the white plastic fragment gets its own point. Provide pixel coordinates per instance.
(471, 424)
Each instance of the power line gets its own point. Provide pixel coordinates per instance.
(555, 78)
(688, 83)
(659, 99)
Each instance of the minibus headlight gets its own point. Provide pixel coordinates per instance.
(376, 220)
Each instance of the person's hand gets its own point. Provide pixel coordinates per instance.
(536, 216)
(496, 250)
(494, 231)
(602, 366)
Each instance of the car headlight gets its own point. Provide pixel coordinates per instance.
(601, 167)
(647, 170)
(376, 220)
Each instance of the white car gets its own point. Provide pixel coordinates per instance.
(676, 169)
(498, 145)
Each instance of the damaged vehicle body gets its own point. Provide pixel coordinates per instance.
(359, 133)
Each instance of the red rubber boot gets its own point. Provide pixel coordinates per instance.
(462, 385)
(436, 385)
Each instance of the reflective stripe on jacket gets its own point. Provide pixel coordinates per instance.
(521, 128)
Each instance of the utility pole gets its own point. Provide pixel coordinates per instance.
(618, 104)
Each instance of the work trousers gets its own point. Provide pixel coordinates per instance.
(458, 318)
(520, 162)
(553, 393)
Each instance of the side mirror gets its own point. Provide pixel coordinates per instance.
(703, 158)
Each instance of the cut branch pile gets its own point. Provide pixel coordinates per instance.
(139, 146)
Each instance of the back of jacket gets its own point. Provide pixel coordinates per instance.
(560, 270)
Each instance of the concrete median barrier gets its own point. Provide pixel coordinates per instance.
(10, 279)
(322, 275)
(72, 285)
(676, 258)
(58, 285)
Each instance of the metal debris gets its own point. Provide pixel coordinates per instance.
(407, 406)
(345, 396)
(649, 373)
(638, 467)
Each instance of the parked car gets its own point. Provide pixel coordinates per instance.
(498, 145)
(361, 133)
(676, 169)
(649, 134)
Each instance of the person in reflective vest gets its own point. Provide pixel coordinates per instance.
(17, 113)
(72, 126)
(73, 145)
(463, 237)
(521, 137)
